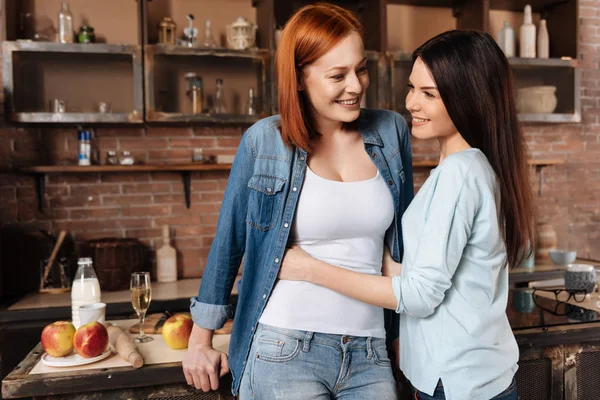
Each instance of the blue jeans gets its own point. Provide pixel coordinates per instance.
(297, 365)
(509, 394)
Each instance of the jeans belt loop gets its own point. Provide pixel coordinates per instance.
(306, 342)
(369, 347)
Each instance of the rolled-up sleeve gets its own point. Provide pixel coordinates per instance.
(211, 308)
(428, 269)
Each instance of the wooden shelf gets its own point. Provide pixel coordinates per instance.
(162, 49)
(428, 3)
(40, 172)
(90, 54)
(542, 162)
(50, 169)
(507, 5)
(89, 48)
(543, 62)
(551, 118)
(159, 116)
(76, 118)
(518, 5)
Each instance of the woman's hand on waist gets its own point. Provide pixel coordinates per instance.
(297, 265)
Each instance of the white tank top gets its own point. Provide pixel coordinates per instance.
(343, 224)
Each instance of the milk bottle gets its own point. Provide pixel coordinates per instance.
(85, 288)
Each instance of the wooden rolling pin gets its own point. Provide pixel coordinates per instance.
(123, 345)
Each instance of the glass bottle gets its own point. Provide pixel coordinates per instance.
(166, 259)
(208, 41)
(219, 107)
(506, 40)
(251, 105)
(527, 35)
(195, 92)
(65, 24)
(85, 288)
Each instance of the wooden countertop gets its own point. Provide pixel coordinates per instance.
(184, 288)
(162, 366)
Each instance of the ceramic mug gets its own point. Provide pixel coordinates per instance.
(92, 312)
(580, 277)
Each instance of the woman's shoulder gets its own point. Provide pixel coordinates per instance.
(468, 171)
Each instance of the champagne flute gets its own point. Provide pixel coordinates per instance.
(141, 295)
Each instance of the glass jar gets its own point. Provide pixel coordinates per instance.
(86, 34)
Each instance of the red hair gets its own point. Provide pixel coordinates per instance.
(310, 33)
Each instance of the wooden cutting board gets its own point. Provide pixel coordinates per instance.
(152, 319)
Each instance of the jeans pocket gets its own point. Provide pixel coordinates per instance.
(276, 348)
(380, 356)
(264, 200)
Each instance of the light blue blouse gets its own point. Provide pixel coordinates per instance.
(453, 290)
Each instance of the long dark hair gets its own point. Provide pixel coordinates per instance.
(475, 83)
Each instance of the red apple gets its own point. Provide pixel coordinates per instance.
(91, 339)
(176, 331)
(57, 338)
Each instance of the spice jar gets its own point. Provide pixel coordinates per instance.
(86, 34)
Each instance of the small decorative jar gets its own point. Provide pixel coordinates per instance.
(166, 31)
(86, 34)
(111, 158)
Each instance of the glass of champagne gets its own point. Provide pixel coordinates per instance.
(141, 295)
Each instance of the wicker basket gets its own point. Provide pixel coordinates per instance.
(114, 260)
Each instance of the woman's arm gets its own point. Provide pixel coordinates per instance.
(376, 290)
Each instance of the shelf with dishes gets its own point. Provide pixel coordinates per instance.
(547, 90)
(40, 171)
(72, 83)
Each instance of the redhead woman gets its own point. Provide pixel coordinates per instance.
(332, 179)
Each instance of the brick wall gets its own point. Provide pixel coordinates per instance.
(138, 204)
(94, 205)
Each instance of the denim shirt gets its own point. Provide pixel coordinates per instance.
(256, 217)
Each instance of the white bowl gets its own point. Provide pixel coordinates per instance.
(562, 257)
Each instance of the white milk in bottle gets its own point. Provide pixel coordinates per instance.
(85, 288)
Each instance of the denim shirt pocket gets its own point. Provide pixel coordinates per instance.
(264, 202)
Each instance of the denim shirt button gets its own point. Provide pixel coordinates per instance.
(294, 188)
(286, 225)
(391, 182)
(301, 158)
(264, 296)
(277, 260)
(373, 155)
(269, 190)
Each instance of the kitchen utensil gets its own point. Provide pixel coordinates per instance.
(59, 241)
(124, 346)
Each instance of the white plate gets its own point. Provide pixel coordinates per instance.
(72, 359)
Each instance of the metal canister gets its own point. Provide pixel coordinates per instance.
(82, 155)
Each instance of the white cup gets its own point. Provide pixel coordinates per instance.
(92, 312)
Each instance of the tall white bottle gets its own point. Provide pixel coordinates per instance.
(543, 41)
(506, 40)
(85, 288)
(166, 259)
(65, 24)
(527, 35)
